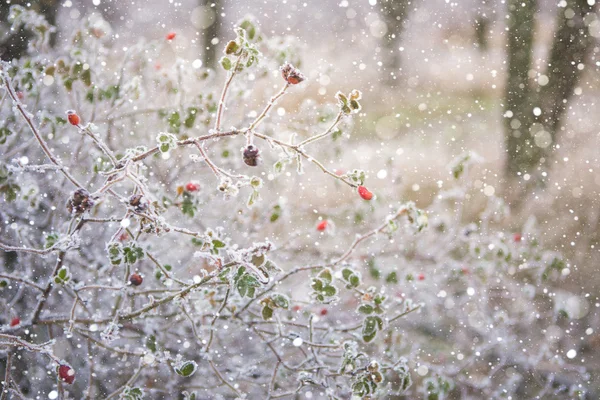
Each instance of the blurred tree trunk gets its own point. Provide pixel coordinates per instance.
(209, 50)
(483, 21)
(15, 45)
(530, 136)
(395, 14)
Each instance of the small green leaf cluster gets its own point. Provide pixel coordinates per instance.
(323, 289)
(62, 276)
(349, 104)
(274, 301)
(242, 52)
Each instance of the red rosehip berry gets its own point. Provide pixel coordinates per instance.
(123, 237)
(192, 187)
(73, 118)
(323, 311)
(296, 308)
(365, 193)
(465, 271)
(15, 321)
(421, 277)
(171, 35)
(292, 75)
(517, 237)
(20, 95)
(136, 279)
(66, 374)
(322, 225)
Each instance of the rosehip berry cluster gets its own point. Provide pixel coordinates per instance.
(292, 75)
(251, 155)
(80, 202)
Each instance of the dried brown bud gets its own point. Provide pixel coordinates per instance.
(292, 75)
(79, 202)
(251, 155)
(138, 202)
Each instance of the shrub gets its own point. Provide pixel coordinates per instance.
(146, 256)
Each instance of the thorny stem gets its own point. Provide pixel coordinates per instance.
(270, 104)
(47, 289)
(28, 120)
(187, 142)
(322, 135)
(273, 378)
(49, 250)
(212, 365)
(17, 341)
(367, 235)
(214, 320)
(128, 383)
(224, 94)
(88, 131)
(26, 281)
(6, 382)
(212, 166)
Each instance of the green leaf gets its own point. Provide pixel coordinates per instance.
(4, 134)
(317, 284)
(62, 276)
(130, 393)
(174, 121)
(267, 313)
(86, 77)
(226, 63)
(258, 260)
(186, 369)
(365, 309)
(50, 240)
(151, 343)
(191, 118)
(392, 277)
(330, 290)
(281, 301)
(325, 275)
(346, 272)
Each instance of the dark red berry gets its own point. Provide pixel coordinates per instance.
(251, 155)
(517, 237)
(66, 374)
(365, 193)
(136, 279)
(296, 308)
(73, 117)
(15, 321)
(421, 277)
(171, 35)
(323, 311)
